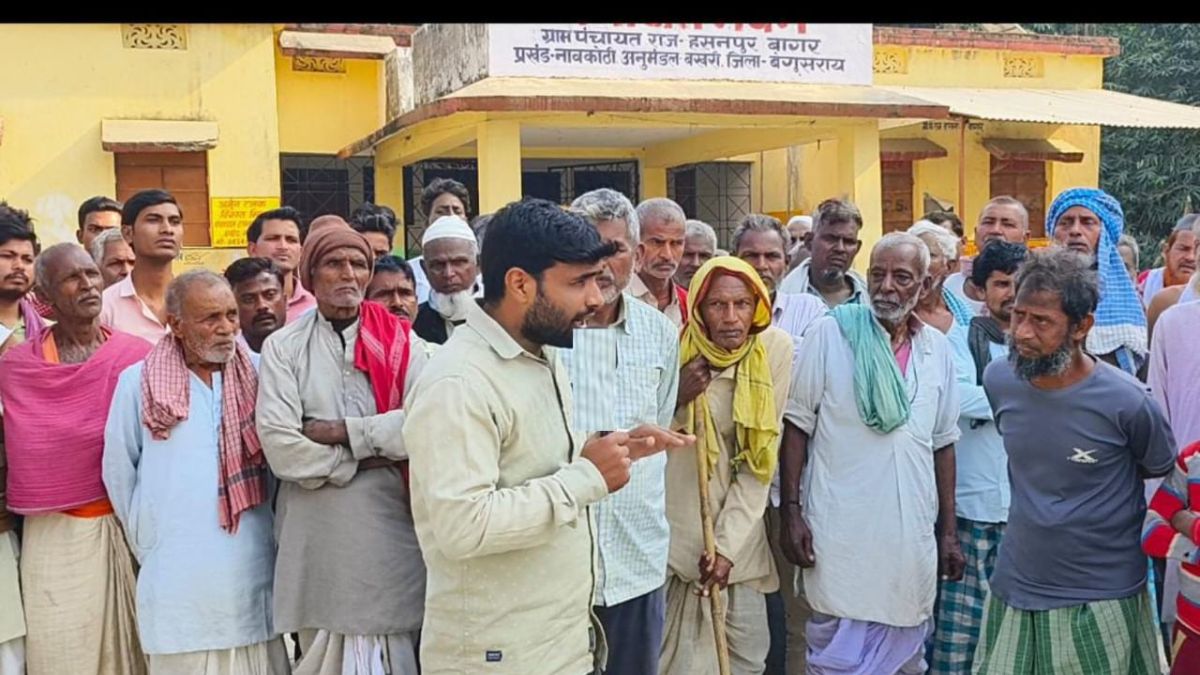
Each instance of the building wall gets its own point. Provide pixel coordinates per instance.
(811, 169)
(59, 81)
(320, 112)
(985, 69)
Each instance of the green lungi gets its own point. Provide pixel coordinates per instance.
(1108, 637)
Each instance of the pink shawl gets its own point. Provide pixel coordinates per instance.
(54, 418)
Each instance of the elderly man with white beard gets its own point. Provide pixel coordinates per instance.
(451, 263)
(873, 412)
(186, 475)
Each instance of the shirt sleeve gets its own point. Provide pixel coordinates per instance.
(945, 427)
(123, 452)
(1156, 377)
(280, 419)
(972, 400)
(808, 379)
(1150, 438)
(454, 451)
(1160, 539)
(381, 435)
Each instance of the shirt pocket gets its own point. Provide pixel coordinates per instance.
(923, 392)
(637, 395)
(142, 532)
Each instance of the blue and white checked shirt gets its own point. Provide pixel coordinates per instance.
(621, 376)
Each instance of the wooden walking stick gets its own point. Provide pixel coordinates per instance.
(710, 548)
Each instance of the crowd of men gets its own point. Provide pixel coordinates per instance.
(573, 440)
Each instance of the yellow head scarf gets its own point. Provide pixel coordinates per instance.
(755, 422)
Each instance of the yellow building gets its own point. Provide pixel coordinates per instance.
(228, 117)
(233, 118)
(948, 117)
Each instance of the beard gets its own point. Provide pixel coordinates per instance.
(546, 324)
(1054, 363)
(218, 354)
(12, 294)
(831, 274)
(899, 312)
(209, 352)
(452, 306)
(614, 287)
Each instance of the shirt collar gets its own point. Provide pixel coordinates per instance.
(638, 289)
(493, 333)
(300, 294)
(125, 287)
(351, 331)
(623, 321)
(916, 332)
(858, 286)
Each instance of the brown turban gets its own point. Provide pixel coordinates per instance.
(326, 234)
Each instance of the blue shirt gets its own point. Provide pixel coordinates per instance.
(982, 493)
(624, 375)
(200, 588)
(1077, 458)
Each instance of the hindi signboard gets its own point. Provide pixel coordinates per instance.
(812, 53)
(230, 216)
(212, 259)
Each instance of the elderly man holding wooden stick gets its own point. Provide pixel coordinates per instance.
(720, 564)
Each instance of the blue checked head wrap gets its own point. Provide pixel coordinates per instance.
(1120, 320)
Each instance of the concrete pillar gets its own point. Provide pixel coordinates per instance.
(654, 182)
(389, 191)
(859, 181)
(498, 145)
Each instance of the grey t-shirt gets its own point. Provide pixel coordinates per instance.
(1074, 526)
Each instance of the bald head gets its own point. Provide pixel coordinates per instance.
(1002, 219)
(67, 278)
(203, 316)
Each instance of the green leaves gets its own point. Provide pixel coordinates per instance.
(1154, 172)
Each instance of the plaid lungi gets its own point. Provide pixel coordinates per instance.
(960, 604)
(1109, 637)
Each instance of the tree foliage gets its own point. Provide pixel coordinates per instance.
(1153, 172)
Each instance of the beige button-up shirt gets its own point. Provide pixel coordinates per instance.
(673, 311)
(738, 501)
(500, 499)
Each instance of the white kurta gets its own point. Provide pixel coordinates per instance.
(871, 499)
(200, 588)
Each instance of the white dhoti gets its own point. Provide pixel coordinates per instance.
(689, 647)
(325, 653)
(79, 588)
(12, 657)
(12, 613)
(263, 658)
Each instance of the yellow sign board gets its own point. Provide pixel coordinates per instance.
(230, 216)
(212, 259)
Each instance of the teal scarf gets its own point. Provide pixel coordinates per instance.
(878, 386)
